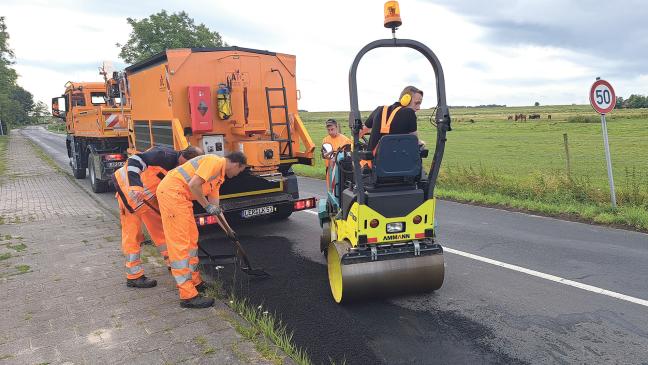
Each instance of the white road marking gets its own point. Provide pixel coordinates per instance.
(550, 277)
(541, 275)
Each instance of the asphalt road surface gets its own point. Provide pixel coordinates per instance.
(518, 289)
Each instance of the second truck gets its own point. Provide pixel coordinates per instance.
(96, 123)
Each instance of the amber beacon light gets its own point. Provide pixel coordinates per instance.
(392, 15)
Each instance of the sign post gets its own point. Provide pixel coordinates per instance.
(603, 100)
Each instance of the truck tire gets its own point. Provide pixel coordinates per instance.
(78, 170)
(98, 186)
(76, 163)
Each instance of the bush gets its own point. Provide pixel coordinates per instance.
(584, 119)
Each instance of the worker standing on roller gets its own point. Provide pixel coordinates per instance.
(201, 176)
(136, 183)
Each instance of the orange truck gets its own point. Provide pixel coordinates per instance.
(96, 123)
(226, 99)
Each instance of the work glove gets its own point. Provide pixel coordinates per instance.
(213, 209)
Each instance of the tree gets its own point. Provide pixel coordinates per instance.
(537, 103)
(619, 102)
(16, 103)
(162, 31)
(637, 101)
(41, 114)
(8, 75)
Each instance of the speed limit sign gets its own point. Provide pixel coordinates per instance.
(602, 97)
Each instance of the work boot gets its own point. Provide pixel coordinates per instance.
(141, 282)
(197, 302)
(202, 287)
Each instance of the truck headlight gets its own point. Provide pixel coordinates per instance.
(395, 227)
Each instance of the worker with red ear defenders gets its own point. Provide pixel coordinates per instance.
(398, 118)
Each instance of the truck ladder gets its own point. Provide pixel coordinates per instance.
(285, 142)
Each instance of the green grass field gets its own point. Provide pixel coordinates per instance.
(492, 160)
(56, 127)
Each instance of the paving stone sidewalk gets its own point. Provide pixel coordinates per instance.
(64, 298)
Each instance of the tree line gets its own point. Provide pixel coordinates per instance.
(17, 106)
(632, 102)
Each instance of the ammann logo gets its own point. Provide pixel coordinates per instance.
(392, 237)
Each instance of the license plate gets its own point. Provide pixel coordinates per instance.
(115, 165)
(254, 212)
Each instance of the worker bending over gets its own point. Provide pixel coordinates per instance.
(136, 183)
(199, 177)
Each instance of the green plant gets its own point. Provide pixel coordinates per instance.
(583, 119)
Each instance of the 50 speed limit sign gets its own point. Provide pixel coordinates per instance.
(602, 97)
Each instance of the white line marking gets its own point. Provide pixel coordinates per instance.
(541, 275)
(549, 277)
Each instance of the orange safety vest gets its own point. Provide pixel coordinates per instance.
(385, 126)
(385, 123)
(150, 177)
(186, 171)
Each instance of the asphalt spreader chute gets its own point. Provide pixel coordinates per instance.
(378, 224)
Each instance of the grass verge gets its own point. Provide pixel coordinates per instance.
(56, 127)
(266, 332)
(4, 142)
(554, 195)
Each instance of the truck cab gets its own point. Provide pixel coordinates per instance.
(97, 130)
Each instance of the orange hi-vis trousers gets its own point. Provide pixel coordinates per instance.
(181, 235)
(132, 237)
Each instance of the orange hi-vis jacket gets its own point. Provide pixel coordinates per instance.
(210, 168)
(337, 142)
(150, 177)
(385, 125)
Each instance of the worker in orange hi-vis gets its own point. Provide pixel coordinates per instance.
(136, 184)
(198, 179)
(334, 138)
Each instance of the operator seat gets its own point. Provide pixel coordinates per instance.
(397, 161)
(392, 190)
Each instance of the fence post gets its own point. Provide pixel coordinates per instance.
(566, 142)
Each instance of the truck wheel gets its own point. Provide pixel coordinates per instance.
(78, 170)
(98, 186)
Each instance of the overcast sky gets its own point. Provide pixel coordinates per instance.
(492, 52)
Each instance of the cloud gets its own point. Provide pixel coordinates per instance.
(614, 30)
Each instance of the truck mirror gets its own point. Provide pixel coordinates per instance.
(61, 103)
(58, 107)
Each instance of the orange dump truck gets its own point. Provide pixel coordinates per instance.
(97, 129)
(226, 99)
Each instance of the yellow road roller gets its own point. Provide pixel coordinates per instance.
(378, 223)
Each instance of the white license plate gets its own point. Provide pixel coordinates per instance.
(115, 165)
(254, 212)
